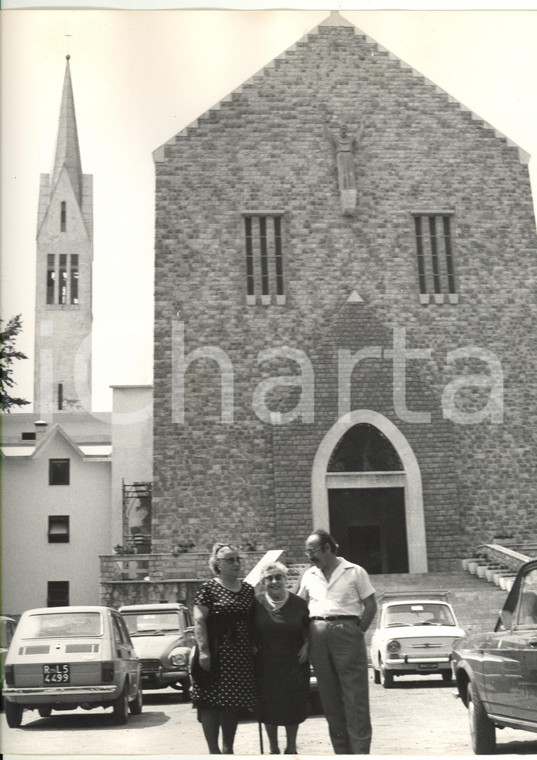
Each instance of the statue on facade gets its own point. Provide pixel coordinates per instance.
(344, 143)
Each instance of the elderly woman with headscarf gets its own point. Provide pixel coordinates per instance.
(223, 670)
(281, 624)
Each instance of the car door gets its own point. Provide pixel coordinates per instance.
(511, 655)
(125, 651)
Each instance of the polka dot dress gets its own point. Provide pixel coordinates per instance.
(229, 625)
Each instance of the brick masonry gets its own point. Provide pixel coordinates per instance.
(265, 147)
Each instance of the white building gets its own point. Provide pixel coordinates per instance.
(75, 483)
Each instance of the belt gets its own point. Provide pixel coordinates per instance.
(336, 617)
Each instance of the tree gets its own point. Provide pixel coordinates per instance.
(8, 354)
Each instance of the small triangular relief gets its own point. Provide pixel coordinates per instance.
(355, 297)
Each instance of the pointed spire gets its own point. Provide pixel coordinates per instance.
(67, 149)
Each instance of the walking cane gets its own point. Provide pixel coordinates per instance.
(260, 736)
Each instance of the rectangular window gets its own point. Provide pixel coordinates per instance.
(250, 286)
(63, 216)
(60, 396)
(58, 472)
(63, 279)
(51, 277)
(74, 278)
(434, 254)
(58, 529)
(264, 257)
(58, 594)
(28, 436)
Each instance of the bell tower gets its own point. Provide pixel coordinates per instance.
(63, 314)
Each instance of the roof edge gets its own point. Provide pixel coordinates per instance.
(335, 19)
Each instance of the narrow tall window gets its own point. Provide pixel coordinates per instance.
(51, 277)
(63, 216)
(449, 256)
(278, 257)
(58, 472)
(435, 260)
(250, 282)
(60, 396)
(74, 278)
(58, 594)
(264, 257)
(58, 529)
(63, 279)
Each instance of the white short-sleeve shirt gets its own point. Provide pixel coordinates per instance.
(349, 584)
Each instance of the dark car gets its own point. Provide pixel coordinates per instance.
(163, 637)
(496, 672)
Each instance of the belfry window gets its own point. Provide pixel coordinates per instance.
(63, 216)
(435, 261)
(74, 278)
(62, 278)
(51, 277)
(62, 282)
(264, 257)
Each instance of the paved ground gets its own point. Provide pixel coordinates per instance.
(416, 717)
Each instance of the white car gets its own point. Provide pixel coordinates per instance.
(413, 637)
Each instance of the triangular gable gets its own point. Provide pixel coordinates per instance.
(55, 431)
(44, 210)
(335, 20)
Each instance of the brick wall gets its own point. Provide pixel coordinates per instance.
(265, 147)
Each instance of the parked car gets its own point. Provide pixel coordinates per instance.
(496, 672)
(413, 637)
(7, 629)
(163, 637)
(62, 658)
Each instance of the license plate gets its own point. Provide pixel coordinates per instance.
(54, 674)
(427, 666)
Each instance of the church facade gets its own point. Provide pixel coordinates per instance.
(345, 271)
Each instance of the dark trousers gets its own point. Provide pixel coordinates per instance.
(339, 657)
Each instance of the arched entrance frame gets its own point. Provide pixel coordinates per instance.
(409, 479)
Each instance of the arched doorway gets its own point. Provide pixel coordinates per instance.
(366, 488)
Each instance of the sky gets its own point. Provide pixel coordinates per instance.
(139, 77)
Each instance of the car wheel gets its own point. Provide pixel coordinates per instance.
(376, 675)
(13, 714)
(482, 730)
(447, 676)
(45, 712)
(135, 706)
(386, 676)
(121, 706)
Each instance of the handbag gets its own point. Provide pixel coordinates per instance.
(200, 677)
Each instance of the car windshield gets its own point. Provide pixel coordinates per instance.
(64, 624)
(527, 605)
(141, 623)
(418, 614)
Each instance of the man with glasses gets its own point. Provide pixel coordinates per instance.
(342, 606)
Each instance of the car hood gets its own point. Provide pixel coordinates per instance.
(155, 646)
(422, 631)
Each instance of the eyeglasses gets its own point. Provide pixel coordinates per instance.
(311, 552)
(229, 559)
(275, 577)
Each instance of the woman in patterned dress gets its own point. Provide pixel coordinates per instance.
(223, 681)
(281, 624)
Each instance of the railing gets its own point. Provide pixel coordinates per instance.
(503, 556)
